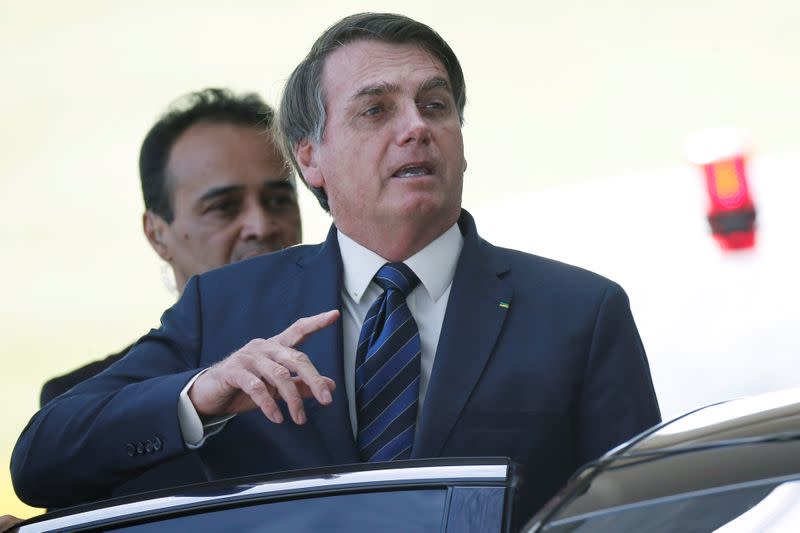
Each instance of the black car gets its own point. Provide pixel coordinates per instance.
(729, 467)
(448, 495)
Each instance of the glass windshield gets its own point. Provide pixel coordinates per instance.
(764, 507)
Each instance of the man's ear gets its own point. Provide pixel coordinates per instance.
(154, 229)
(305, 153)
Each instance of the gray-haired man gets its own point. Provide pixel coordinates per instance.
(511, 354)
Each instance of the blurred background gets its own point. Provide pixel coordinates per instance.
(576, 121)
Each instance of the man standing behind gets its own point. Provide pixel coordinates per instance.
(448, 346)
(216, 191)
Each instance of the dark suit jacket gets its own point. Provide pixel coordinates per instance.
(553, 380)
(182, 470)
(61, 384)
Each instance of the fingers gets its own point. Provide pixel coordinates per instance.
(257, 392)
(264, 371)
(299, 364)
(283, 387)
(305, 383)
(303, 327)
(297, 361)
(306, 392)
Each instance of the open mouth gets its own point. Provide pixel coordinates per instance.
(413, 170)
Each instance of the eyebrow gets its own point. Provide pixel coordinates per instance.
(376, 90)
(434, 83)
(387, 88)
(216, 192)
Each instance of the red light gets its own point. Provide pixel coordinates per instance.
(726, 183)
(731, 212)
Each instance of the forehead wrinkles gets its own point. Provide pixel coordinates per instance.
(361, 64)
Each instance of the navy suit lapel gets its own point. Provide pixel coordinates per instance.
(320, 291)
(476, 310)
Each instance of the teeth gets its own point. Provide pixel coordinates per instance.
(412, 171)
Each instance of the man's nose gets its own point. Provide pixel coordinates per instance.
(413, 126)
(257, 223)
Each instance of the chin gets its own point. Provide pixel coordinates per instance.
(254, 253)
(432, 205)
(423, 216)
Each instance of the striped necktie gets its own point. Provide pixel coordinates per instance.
(387, 369)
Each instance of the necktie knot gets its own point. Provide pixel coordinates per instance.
(396, 276)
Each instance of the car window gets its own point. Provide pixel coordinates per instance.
(761, 507)
(388, 511)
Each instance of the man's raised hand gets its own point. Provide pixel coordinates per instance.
(264, 371)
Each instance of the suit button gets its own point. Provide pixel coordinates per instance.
(139, 448)
(156, 444)
(148, 446)
(130, 449)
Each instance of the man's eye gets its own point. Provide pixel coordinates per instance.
(223, 208)
(273, 203)
(373, 111)
(433, 105)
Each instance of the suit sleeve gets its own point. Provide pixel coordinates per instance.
(116, 424)
(617, 399)
(61, 384)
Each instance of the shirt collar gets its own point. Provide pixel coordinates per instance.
(435, 265)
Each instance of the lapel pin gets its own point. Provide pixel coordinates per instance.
(503, 304)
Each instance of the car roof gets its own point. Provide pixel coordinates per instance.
(752, 416)
(734, 442)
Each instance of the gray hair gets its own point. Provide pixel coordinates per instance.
(301, 115)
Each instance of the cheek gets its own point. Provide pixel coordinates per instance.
(215, 248)
(363, 153)
(353, 172)
(289, 227)
(181, 240)
(456, 146)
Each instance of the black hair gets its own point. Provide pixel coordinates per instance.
(207, 105)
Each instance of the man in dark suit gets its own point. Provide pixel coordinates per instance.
(269, 364)
(215, 191)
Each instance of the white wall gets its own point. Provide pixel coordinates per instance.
(715, 324)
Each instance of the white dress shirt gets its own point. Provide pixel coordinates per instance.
(434, 265)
